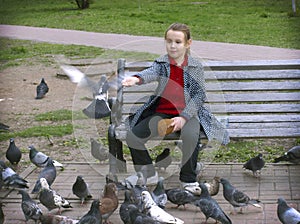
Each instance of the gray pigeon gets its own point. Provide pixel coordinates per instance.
(81, 190)
(210, 207)
(51, 199)
(123, 211)
(159, 195)
(49, 173)
(164, 159)
(93, 216)
(41, 89)
(255, 164)
(40, 159)
(10, 178)
(13, 153)
(30, 208)
(98, 151)
(137, 217)
(2, 217)
(3, 127)
(292, 155)
(287, 214)
(180, 196)
(236, 197)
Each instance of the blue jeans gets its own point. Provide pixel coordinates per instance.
(146, 129)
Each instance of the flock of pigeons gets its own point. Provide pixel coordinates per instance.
(141, 204)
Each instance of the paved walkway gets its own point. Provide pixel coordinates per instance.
(203, 49)
(276, 180)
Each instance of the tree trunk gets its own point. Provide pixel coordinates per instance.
(83, 4)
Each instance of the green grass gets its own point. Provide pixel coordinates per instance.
(60, 115)
(37, 131)
(259, 22)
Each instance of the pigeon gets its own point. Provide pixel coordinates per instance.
(287, 214)
(123, 211)
(57, 219)
(156, 212)
(109, 201)
(3, 127)
(163, 160)
(50, 198)
(81, 190)
(292, 155)
(2, 217)
(30, 208)
(98, 151)
(213, 186)
(180, 196)
(41, 89)
(137, 217)
(40, 159)
(209, 206)
(49, 173)
(236, 197)
(93, 216)
(113, 178)
(255, 164)
(13, 153)
(159, 195)
(10, 178)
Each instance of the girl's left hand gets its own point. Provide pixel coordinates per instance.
(178, 123)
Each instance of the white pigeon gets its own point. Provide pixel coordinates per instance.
(156, 212)
(74, 74)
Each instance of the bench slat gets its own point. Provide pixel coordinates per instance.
(265, 133)
(227, 97)
(237, 108)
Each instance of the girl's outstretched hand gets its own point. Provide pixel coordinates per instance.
(130, 81)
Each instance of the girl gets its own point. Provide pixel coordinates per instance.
(180, 96)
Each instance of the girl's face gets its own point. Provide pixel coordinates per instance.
(176, 45)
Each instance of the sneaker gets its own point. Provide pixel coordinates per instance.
(192, 187)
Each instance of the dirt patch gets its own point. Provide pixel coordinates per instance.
(19, 108)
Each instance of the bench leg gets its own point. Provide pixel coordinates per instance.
(117, 163)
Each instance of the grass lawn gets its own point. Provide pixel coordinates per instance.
(258, 22)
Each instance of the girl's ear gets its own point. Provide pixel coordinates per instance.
(188, 43)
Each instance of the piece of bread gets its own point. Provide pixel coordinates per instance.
(164, 127)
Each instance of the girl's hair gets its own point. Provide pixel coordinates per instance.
(180, 27)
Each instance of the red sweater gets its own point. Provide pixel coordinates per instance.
(172, 99)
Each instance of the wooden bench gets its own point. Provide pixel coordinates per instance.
(256, 99)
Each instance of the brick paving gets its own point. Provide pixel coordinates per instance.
(276, 181)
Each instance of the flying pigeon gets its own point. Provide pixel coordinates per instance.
(30, 208)
(13, 153)
(2, 217)
(159, 195)
(179, 196)
(137, 217)
(40, 159)
(292, 155)
(81, 190)
(109, 201)
(98, 150)
(236, 197)
(213, 186)
(156, 212)
(210, 207)
(124, 211)
(50, 198)
(93, 216)
(255, 164)
(287, 214)
(10, 178)
(41, 89)
(49, 173)
(164, 159)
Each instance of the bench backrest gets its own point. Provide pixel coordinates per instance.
(257, 98)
